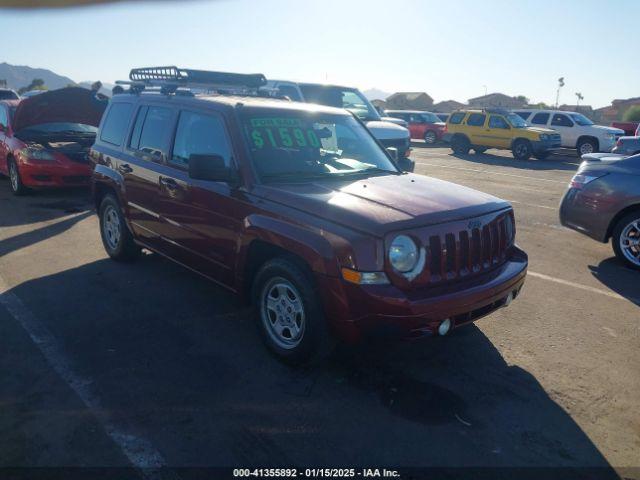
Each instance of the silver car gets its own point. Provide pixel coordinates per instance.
(603, 202)
(627, 146)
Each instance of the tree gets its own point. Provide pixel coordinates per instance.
(36, 84)
(522, 98)
(632, 114)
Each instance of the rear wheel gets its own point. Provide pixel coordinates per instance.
(15, 180)
(626, 240)
(460, 145)
(116, 237)
(522, 149)
(586, 146)
(479, 150)
(430, 137)
(289, 313)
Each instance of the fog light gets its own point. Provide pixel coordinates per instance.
(444, 327)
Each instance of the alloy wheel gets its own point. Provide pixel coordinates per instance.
(630, 242)
(13, 176)
(430, 137)
(111, 227)
(282, 312)
(586, 148)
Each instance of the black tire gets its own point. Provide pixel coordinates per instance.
(15, 181)
(542, 155)
(480, 150)
(122, 248)
(430, 137)
(622, 227)
(313, 343)
(589, 145)
(460, 145)
(521, 149)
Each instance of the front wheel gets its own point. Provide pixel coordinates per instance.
(460, 145)
(430, 137)
(586, 145)
(116, 237)
(289, 313)
(17, 187)
(626, 240)
(522, 150)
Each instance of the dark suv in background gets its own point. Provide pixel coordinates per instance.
(297, 208)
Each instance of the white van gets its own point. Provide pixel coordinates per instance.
(576, 130)
(387, 133)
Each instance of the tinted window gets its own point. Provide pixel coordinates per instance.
(200, 134)
(476, 120)
(116, 123)
(560, 120)
(290, 92)
(3, 116)
(540, 119)
(155, 129)
(497, 122)
(456, 118)
(523, 115)
(8, 95)
(137, 128)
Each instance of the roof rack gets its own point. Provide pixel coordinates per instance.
(170, 78)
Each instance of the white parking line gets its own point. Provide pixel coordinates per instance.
(580, 286)
(477, 170)
(139, 451)
(532, 205)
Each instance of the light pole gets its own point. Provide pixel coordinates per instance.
(580, 97)
(560, 85)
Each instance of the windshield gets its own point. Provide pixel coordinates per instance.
(299, 146)
(581, 119)
(516, 121)
(348, 98)
(60, 127)
(430, 117)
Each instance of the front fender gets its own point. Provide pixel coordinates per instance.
(104, 176)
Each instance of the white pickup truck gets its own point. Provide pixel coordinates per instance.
(576, 130)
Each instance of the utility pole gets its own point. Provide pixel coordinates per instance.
(580, 97)
(560, 85)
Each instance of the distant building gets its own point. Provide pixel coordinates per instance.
(616, 110)
(447, 106)
(497, 100)
(379, 104)
(586, 110)
(410, 101)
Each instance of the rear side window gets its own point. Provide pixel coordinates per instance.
(456, 118)
(523, 115)
(476, 119)
(4, 121)
(200, 134)
(540, 119)
(116, 123)
(560, 120)
(151, 131)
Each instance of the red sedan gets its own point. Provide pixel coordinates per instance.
(422, 125)
(44, 139)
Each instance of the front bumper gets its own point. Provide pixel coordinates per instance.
(356, 311)
(546, 146)
(54, 174)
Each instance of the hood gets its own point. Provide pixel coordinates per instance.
(548, 131)
(383, 204)
(73, 105)
(387, 130)
(615, 131)
(397, 121)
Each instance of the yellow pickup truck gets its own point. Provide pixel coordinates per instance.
(497, 128)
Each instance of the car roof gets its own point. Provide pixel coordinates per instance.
(234, 101)
(408, 111)
(538, 110)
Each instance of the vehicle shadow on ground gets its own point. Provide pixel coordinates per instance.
(616, 277)
(174, 359)
(41, 205)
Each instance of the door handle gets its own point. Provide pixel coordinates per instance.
(169, 183)
(125, 168)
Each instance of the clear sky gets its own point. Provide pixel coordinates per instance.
(450, 49)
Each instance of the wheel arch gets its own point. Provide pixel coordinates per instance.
(588, 137)
(614, 221)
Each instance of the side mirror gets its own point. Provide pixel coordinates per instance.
(211, 168)
(393, 151)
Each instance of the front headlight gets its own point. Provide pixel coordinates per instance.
(544, 137)
(403, 254)
(37, 154)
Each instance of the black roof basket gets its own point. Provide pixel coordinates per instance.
(171, 78)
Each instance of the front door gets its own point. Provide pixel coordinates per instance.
(498, 132)
(200, 217)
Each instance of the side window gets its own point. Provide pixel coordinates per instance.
(476, 120)
(200, 134)
(415, 118)
(497, 122)
(456, 118)
(4, 121)
(540, 119)
(523, 115)
(155, 130)
(134, 142)
(115, 125)
(560, 120)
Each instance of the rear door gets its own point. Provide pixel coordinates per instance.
(540, 119)
(199, 218)
(476, 130)
(417, 126)
(561, 123)
(498, 132)
(142, 166)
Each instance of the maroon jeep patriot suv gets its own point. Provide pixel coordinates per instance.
(297, 208)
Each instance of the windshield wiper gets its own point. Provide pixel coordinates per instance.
(302, 175)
